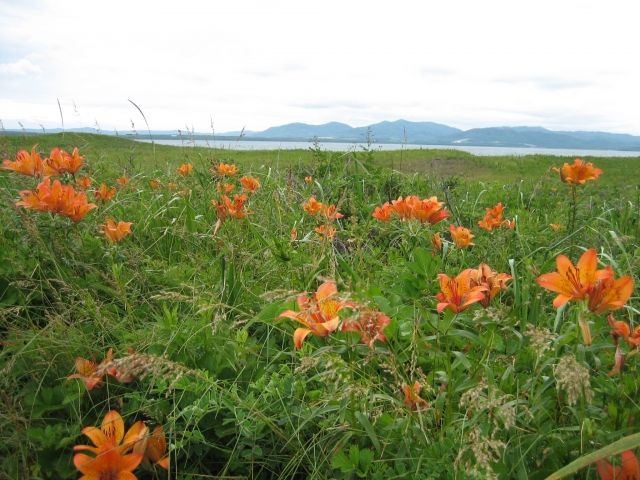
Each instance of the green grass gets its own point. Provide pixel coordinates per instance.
(236, 399)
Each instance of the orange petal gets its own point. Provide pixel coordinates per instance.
(326, 290)
(587, 266)
(113, 427)
(95, 435)
(299, 335)
(164, 463)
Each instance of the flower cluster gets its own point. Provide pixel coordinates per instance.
(229, 209)
(493, 218)
(88, 371)
(56, 198)
(32, 165)
(470, 286)
(428, 210)
(115, 233)
(330, 214)
(118, 454)
(319, 314)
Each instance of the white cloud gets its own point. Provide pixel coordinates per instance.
(21, 67)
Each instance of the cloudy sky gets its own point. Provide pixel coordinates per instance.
(563, 65)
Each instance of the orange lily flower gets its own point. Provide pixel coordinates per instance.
(308, 179)
(250, 184)
(25, 164)
(607, 294)
(123, 180)
(156, 450)
(103, 193)
(401, 208)
(556, 226)
(235, 208)
(111, 433)
(436, 241)
(427, 210)
(73, 161)
(115, 233)
(226, 170)
(630, 469)
(108, 463)
(77, 212)
(496, 212)
(294, 234)
(313, 207)
(457, 293)
(323, 231)
(330, 212)
(172, 186)
(383, 213)
(510, 224)
(58, 199)
(369, 326)
(492, 281)
(87, 370)
(55, 164)
(318, 313)
(578, 173)
(412, 398)
(225, 187)
(185, 169)
(489, 223)
(622, 329)
(155, 184)
(36, 200)
(573, 283)
(461, 236)
(84, 182)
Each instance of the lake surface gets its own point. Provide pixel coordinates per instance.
(344, 147)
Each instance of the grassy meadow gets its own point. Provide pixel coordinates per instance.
(405, 374)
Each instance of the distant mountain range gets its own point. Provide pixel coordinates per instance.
(403, 131)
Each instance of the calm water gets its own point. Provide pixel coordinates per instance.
(343, 147)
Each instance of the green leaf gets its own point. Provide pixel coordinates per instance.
(366, 459)
(615, 448)
(354, 455)
(342, 462)
(366, 424)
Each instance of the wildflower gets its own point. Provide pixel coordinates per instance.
(427, 210)
(412, 398)
(185, 169)
(489, 223)
(457, 293)
(294, 234)
(87, 370)
(630, 469)
(318, 313)
(578, 173)
(84, 182)
(108, 463)
(383, 213)
(622, 329)
(510, 224)
(250, 184)
(115, 233)
(225, 187)
(235, 208)
(224, 169)
(401, 208)
(606, 294)
(492, 281)
(323, 231)
(573, 283)
(461, 236)
(369, 326)
(56, 198)
(330, 212)
(104, 194)
(308, 179)
(155, 184)
(556, 226)
(156, 450)
(172, 186)
(123, 180)
(436, 241)
(25, 164)
(496, 212)
(73, 161)
(313, 207)
(55, 164)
